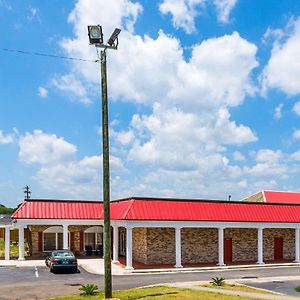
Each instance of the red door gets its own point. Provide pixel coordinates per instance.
(227, 251)
(278, 248)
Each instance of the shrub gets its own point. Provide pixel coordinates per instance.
(89, 290)
(218, 281)
(297, 289)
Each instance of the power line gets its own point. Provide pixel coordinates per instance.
(47, 55)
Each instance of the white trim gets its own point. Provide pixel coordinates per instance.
(128, 248)
(178, 247)
(157, 224)
(264, 196)
(7, 242)
(260, 246)
(58, 222)
(297, 245)
(221, 246)
(207, 224)
(115, 244)
(21, 243)
(94, 229)
(54, 229)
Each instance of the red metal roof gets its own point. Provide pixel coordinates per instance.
(161, 210)
(47, 209)
(282, 197)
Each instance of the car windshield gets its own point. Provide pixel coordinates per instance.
(63, 254)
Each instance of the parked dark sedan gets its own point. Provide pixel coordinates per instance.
(62, 260)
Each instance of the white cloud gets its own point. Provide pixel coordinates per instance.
(283, 69)
(296, 155)
(296, 108)
(269, 163)
(184, 139)
(77, 178)
(238, 156)
(69, 84)
(224, 8)
(34, 14)
(278, 111)
(43, 148)
(296, 134)
(183, 12)
(6, 138)
(167, 137)
(42, 92)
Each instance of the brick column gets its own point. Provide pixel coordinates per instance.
(65, 237)
(128, 249)
(221, 246)
(297, 245)
(178, 247)
(260, 251)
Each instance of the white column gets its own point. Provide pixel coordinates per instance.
(115, 244)
(221, 246)
(297, 245)
(7, 242)
(65, 237)
(21, 242)
(178, 247)
(128, 249)
(260, 252)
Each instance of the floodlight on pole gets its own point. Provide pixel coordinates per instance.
(96, 38)
(95, 34)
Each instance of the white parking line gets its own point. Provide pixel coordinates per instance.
(36, 272)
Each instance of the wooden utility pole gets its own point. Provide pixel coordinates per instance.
(106, 184)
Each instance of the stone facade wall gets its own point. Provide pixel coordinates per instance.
(139, 244)
(288, 236)
(160, 246)
(244, 243)
(199, 245)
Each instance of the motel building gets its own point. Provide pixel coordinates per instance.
(160, 232)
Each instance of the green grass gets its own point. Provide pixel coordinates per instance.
(14, 249)
(237, 287)
(158, 293)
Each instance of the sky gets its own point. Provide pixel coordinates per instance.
(203, 99)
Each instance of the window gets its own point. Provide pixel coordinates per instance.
(53, 238)
(49, 241)
(93, 237)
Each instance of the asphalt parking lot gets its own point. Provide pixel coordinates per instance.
(38, 282)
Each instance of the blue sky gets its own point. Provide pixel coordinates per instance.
(203, 94)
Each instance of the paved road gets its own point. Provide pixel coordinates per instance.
(37, 283)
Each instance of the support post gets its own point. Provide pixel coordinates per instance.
(128, 249)
(65, 237)
(178, 247)
(21, 243)
(115, 244)
(260, 253)
(297, 245)
(221, 246)
(7, 242)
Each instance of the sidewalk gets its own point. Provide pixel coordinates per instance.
(195, 286)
